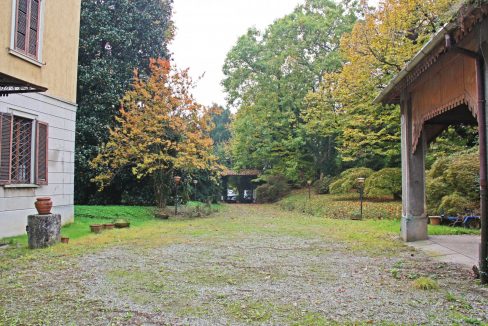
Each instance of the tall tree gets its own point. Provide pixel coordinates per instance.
(267, 76)
(116, 36)
(379, 46)
(161, 131)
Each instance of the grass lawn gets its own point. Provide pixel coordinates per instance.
(381, 214)
(85, 215)
(246, 264)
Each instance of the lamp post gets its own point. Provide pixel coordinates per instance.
(195, 182)
(309, 183)
(177, 180)
(361, 190)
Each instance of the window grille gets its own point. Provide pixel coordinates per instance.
(21, 151)
(23, 158)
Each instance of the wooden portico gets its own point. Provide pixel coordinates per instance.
(445, 83)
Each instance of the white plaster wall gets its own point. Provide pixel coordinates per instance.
(17, 203)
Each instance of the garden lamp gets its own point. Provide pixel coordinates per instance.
(361, 190)
(195, 182)
(309, 183)
(177, 180)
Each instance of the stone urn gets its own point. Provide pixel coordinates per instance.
(43, 205)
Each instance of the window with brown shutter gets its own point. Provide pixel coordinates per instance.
(18, 162)
(41, 153)
(27, 27)
(6, 124)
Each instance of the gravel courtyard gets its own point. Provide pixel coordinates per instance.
(249, 264)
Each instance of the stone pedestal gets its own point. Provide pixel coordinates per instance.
(43, 230)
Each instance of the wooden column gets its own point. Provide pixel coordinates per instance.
(414, 218)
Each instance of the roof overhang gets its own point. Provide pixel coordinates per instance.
(386, 95)
(390, 94)
(11, 85)
(241, 173)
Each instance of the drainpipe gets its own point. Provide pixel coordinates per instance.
(483, 166)
(483, 159)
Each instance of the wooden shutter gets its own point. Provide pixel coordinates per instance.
(21, 26)
(27, 26)
(6, 127)
(42, 153)
(33, 27)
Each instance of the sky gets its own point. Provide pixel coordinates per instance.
(206, 30)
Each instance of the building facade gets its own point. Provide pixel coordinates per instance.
(38, 74)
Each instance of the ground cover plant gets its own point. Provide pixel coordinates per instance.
(247, 264)
(380, 213)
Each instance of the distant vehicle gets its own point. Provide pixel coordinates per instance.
(231, 196)
(247, 198)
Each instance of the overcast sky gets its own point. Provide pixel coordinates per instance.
(207, 30)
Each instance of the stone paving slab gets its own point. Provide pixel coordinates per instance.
(459, 249)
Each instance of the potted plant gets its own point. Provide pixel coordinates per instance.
(435, 220)
(96, 228)
(121, 223)
(108, 226)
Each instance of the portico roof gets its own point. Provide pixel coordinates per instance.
(462, 22)
(12, 85)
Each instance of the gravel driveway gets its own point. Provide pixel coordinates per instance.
(271, 276)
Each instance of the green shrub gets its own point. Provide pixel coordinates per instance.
(348, 180)
(385, 182)
(273, 190)
(453, 183)
(454, 203)
(322, 186)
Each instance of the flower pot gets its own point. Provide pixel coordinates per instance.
(43, 205)
(108, 226)
(161, 216)
(96, 228)
(64, 239)
(435, 220)
(121, 225)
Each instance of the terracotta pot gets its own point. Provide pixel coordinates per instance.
(435, 220)
(43, 205)
(64, 239)
(121, 225)
(96, 228)
(108, 226)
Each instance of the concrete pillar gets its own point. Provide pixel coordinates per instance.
(414, 218)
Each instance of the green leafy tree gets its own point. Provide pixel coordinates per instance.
(348, 180)
(116, 36)
(385, 182)
(267, 76)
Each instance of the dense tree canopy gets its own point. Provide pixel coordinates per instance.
(267, 76)
(304, 88)
(116, 36)
(161, 132)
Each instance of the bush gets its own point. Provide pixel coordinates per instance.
(275, 189)
(454, 204)
(348, 180)
(322, 186)
(453, 183)
(385, 182)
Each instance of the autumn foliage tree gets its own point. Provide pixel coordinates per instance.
(161, 130)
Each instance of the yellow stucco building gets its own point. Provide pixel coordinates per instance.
(38, 73)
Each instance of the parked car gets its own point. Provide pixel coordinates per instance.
(231, 196)
(247, 198)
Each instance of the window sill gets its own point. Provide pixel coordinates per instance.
(24, 57)
(21, 185)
